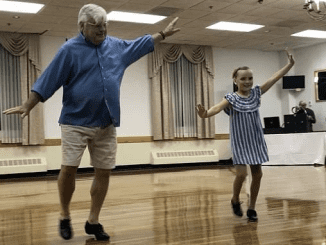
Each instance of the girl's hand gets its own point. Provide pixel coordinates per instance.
(290, 56)
(201, 111)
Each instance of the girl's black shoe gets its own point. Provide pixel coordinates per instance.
(237, 209)
(65, 229)
(252, 215)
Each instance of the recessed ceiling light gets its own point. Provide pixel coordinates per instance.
(20, 7)
(311, 34)
(233, 26)
(134, 17)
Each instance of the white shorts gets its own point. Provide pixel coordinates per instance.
(101, 142)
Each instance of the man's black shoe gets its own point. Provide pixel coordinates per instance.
(96, 230)
(65, 229)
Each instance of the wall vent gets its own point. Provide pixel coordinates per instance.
(186, 156)
(22, 165)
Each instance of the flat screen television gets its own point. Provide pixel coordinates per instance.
(293, 82)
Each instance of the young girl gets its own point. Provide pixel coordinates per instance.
(246, 132)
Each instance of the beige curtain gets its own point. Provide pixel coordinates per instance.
(162, 108)
(26, 46)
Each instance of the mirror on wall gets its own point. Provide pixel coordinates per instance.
(320, 85)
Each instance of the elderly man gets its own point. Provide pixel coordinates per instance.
(90, 69)
(302, 109)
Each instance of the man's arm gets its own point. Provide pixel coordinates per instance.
(26, 107)
(311, 116)
(168, 31)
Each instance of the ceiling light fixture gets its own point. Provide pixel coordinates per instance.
(316, 9)
(233, 26)
(20, 7)
(311, 34)
(134, 17)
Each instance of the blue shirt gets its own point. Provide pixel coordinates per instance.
(91, 77)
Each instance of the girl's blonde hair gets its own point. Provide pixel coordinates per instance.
(241, 68)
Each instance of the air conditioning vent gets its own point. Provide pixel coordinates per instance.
(22, 165)
(188, 156)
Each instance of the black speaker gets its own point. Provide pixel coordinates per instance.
(289, 124)
(296, 123)
(301, 122)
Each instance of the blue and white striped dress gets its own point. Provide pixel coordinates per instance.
(246, 131)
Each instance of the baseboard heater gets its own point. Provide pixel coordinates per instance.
(22, 165)
(184, 156)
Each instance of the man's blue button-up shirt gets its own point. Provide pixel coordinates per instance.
(91, 78)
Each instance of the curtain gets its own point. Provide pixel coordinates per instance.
(162, 105)
(25, 47)
(10, 88)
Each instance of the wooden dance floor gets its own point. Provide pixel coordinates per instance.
(176, 207)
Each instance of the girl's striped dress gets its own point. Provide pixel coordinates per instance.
(246, 131)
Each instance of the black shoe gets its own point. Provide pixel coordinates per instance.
(237, 209)
(96, 230)
(65, 229)
(252, 215)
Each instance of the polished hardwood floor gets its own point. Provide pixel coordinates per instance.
(172, 207)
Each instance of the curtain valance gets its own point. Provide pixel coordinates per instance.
(19, 44)
(172, 52)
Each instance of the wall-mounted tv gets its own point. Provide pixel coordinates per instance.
(293, 82)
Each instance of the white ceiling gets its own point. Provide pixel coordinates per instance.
(280, 17)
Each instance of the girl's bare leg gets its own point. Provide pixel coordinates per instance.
(257, 174)
(241, 174)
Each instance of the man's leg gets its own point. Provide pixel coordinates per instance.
(102, 149)
(66, 186)
(98, 193)
(99, 190)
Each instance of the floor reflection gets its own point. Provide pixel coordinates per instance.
(245, 233)
(298, 215)
(182, 217)
(305, 211)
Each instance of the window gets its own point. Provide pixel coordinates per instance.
(183, 92)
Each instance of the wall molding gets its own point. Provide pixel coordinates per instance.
(121, 140)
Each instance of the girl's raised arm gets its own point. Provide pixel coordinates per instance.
(213, 110)
(270, 82)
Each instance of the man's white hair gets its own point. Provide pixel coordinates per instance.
(90, 12)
